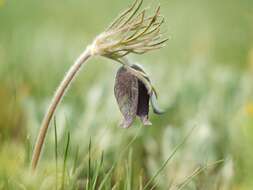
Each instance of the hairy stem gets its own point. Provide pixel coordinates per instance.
(61, 90)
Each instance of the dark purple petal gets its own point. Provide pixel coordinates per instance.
(143, 99)
(143, 104)
(126, 93)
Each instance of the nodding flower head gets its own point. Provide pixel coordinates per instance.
(132, 32)
(133, 97)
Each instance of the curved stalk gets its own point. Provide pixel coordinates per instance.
(61, 90)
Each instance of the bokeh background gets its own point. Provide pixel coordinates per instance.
(204, 77)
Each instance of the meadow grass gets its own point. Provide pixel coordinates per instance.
(204, 78)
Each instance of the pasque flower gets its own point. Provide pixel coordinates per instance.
(134, 31)
(133, 97)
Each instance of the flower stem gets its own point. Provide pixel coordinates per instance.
(61, 90)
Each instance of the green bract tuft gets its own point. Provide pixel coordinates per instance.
(132, 32)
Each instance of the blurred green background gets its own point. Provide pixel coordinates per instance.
(204, 76)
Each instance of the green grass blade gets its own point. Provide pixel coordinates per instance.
(168, 159)
(89, 165)
(65, 161)
(103, 182)
(56, 154)
(117, 160)
(196, 172)
(27, 150)
(129, 171)
(98, 171)
(76, 160)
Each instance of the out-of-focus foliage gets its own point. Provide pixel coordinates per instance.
(204, 77)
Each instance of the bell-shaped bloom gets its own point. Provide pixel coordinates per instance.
(133, 97)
